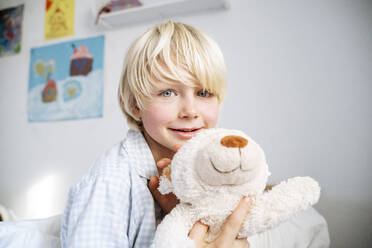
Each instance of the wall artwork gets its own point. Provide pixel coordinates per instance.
(66, 81)
(59, 18)
(11, 30)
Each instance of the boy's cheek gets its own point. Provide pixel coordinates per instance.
(212, 120)
(156, 116)
(210, 114)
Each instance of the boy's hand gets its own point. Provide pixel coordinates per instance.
(169, 201)
(230, 230)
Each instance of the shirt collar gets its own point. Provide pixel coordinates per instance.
(140, 154)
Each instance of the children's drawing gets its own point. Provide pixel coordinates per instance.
(66, 81)
(11, 30)
(45, 70)
(81, 61)
(71, 90)
(59, 18)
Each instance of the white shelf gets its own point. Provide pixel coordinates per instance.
(165, 9)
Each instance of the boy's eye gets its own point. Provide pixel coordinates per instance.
(167, 93)
(204, 93)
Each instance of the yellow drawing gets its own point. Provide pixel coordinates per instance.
(71, 92)
(59, 18)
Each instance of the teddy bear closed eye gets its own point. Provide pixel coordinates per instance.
(211, 173)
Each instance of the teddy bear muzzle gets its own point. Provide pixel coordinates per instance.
(228, 160)
(234, 141)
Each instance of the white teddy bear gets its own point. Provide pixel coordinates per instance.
(211, 173)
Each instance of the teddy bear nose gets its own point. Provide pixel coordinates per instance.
(234, 141)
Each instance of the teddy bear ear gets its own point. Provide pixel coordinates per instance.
(165, 182)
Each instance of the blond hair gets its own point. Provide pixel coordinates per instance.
(169, 52)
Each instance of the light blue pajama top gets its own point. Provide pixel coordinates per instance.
(111, 205)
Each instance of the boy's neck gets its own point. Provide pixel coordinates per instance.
(158, 151)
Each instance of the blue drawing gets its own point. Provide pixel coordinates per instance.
(68, 96)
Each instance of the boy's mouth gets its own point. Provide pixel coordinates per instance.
(184, 129)
(185, 133)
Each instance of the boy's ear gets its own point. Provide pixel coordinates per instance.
(137, 112)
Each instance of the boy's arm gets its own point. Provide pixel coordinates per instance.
(97, 214)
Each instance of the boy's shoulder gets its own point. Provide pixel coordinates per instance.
(120, 162)
(112, 164)
(114, 158)
(118, 157)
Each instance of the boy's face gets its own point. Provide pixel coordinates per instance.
(175, 114)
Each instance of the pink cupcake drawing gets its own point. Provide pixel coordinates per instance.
(81, 61)
(49, 93)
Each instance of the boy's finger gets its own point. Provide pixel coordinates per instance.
(153, 185)
(177, 147)
(198, 232)
(164, 162)
(232, 226)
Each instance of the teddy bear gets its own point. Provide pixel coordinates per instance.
(211, 173)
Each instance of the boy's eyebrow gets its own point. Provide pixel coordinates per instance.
(172, 83)
(179, 84)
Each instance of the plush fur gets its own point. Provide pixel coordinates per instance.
(211, 173)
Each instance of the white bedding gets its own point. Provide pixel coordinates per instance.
(307, 229)
(36, 233)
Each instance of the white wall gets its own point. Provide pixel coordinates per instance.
(299, 83)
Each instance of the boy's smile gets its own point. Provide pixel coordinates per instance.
(175, 114)
(185, 133)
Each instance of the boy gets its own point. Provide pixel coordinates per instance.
(172, 85)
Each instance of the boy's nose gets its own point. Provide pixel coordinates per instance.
(189, 113)
(234, 141)
(188, 109)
